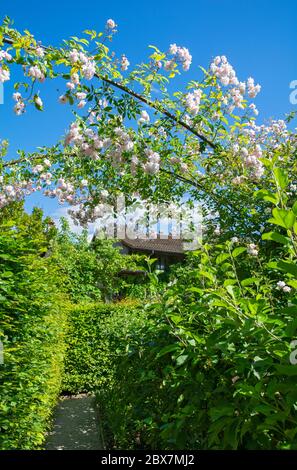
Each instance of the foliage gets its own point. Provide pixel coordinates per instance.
(92, 268)
(40, 269)
(215, 369)
(33, 316)
(98, 334)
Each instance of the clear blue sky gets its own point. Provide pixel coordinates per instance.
(258, 37)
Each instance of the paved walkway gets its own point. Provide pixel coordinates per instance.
(76, 425)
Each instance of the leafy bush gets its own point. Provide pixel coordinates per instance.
(210, 370)
(33, 325)
(104, 345)
(98, 334)
(91, 269)
(215, 369)
(128, 401)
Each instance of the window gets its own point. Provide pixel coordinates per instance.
(161, 263)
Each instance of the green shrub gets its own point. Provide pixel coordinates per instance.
(105, 345)
(210, 368)
(98, 333)
(128, 401)
(91, 269)
(31, 380)
(33, 325)
(215, 369)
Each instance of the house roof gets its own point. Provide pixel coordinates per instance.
(159, 245)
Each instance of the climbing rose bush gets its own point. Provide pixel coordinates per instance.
(225, 323)
(202, 141)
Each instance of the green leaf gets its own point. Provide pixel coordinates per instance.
(272, 265)
(290, 370)
(237, 251)
(290, 219)
(248, 281)
(295, 228)
(207, 275)
(85, 41)
(277, 237)
(279, 217)
(217, 413)
(176, 319)
(288, 267)
(291, 310)
(155, 48)
(222, 257)
(281, 177)
(293, 284)
(291, 328)
(168, 349)
(230, 282)
(267, 196)
(294, 208)
(91, 33)
(230, 290)
(181, 359)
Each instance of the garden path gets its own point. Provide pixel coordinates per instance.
(76, 425)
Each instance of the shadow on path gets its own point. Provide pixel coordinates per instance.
(76, 425)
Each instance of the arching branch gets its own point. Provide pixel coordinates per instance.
(158, 107)
(144, 100)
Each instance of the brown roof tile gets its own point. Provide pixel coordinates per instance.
(168, 245)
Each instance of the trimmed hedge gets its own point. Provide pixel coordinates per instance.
(98, 334)
(33, 318)
(106, 348)
(31, 380)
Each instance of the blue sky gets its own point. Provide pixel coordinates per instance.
(258, 37)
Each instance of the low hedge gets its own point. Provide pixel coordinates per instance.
(134, 403)
(107, 354)
(97, 335)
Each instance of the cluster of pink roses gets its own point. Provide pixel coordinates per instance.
(4, 72)
(15, 191)
(65, 192)
(193, 101)
(87, 64)
(281, 285)
(274, 134)
(86, 140)
(36, 73)
(152, 166)
(223, 70)
(181, 55)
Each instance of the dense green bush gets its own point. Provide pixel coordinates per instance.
(215, 370)
(33, 325)
(98, 335)
(131, 398)
(210, 370)
(105, 344)
(91, 269)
